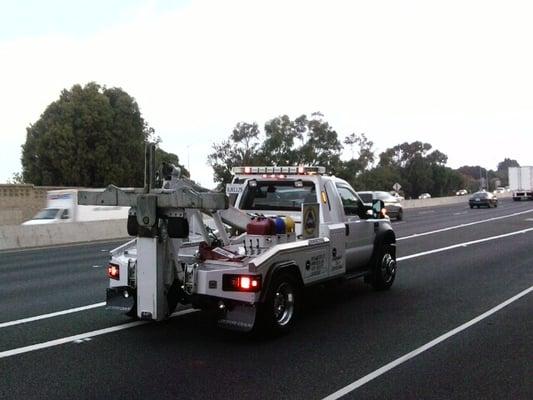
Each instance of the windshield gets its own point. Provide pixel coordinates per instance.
(280, 196)
(481, 195)
(384, 196)
(47, 213)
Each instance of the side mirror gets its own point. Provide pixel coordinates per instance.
(377, 206)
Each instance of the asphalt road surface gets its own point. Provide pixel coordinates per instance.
(457, 324)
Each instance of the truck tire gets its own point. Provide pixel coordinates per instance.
(399, 217)
(132, 313)
(173, 296)
(280, 309)
(383, 268)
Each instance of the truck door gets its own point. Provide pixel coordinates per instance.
(359, 231)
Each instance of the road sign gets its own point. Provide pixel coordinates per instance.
(397, 187)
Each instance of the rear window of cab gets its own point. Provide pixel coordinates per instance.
(278, 195)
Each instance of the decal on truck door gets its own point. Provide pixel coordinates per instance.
(310, 220)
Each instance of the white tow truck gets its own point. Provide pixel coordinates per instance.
(289, 228)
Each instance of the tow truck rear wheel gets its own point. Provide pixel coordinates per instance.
(384, 268)
(132, 313)
(277, 314)
(173, 296)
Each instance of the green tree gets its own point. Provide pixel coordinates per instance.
(241, 148)
(285, 142)
(362, 157)
(16, 178)
(419, 168)
(378, 178)
(502, 171)
(281, 136)
(91, 136)
(477, 176)
(322, 146)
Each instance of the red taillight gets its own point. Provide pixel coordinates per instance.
(241, 283)
(113, 271)
(244, 282)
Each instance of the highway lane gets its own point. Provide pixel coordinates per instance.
(44, 280)
(35, 282)
(418, 220)
(344, 333)
(54, 266)
(489, 361)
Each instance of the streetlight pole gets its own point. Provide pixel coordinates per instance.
(188, 159)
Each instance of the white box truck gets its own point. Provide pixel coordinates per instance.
(62, 206)
(521, 182)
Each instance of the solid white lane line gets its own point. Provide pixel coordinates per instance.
(464, 244)
(463, 225)
(50, 315)
(81, 336)
(393, 364)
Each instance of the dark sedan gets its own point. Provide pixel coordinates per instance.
(484, 199)
(392, 204)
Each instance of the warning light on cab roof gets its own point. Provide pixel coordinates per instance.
(272, 171)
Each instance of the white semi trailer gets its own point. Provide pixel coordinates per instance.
(521, 182)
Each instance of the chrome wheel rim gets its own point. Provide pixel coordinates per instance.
(283, 304)
(388, 268)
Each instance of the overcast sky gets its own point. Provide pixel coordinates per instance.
(456, 74)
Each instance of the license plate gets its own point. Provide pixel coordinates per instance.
(234, 188)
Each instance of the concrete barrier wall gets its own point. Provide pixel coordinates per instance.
(22, 236)
(440, 201)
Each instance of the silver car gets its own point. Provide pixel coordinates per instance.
(392, 204)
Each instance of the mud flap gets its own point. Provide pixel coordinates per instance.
(120, 298)
(241, 317)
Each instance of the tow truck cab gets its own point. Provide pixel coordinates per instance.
(275, 191)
